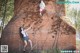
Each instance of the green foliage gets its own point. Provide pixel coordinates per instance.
(9, 10)
(53, 50)
(78, 20)
(6, 12)
(56, 50)
(1, 7)
(74, 13)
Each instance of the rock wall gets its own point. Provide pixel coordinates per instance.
(47, 32)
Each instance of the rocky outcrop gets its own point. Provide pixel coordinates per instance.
(47, 32)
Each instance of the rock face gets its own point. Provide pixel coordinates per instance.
(47, 32)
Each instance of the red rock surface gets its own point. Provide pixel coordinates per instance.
(48, 31)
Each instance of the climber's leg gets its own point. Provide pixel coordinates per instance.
(25, 42)
(41, 12)
(30, 43)
(25, 45)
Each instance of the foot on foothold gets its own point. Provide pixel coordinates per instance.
(24, 50)
(40, 14)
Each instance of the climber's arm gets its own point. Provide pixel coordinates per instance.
(29, 27)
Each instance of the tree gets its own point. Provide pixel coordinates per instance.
(44, 32)
(6, 11)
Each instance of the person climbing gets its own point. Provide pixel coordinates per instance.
(25, 36)
(42, 7)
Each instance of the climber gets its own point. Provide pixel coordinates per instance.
(42, 7)
(25, 37)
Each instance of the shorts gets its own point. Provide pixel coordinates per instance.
(26, 38)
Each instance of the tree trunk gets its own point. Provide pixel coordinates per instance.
(48, 31)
